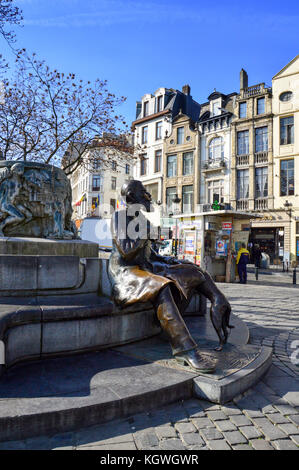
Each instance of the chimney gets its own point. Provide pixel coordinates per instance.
(186, 89)
(243, 79)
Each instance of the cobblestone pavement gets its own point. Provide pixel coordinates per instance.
(264, 418)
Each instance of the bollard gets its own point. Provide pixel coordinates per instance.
(283, 266)
(294, 276)
(256, 273)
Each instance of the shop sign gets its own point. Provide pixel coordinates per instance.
(227, 225)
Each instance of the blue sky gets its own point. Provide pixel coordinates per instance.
(140, 45)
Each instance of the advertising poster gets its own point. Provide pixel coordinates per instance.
(221, 248)
(190, 244)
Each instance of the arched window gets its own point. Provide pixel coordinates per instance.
(216, 149)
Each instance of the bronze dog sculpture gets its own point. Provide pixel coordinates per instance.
(139, 274)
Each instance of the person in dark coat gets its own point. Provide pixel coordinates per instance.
(242, 261)
(138, 274)
(257, 255)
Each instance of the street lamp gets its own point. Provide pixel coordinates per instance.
(288, 208)
(176, 200)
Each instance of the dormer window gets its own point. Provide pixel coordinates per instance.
(159, 103)
(145, 108)
(215, 109)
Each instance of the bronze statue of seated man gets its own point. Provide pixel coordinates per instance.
(139, 274)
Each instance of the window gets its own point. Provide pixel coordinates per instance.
(144, 135)
(215, 109)
(261, 139)
(127, 169)
(170, 195)
(114, 165)
(145, 108)
(188, 163)
(286, 96)
(158, 130)
(287, 177)
(159, 103)
(243, 110)
(242, 184)
(260, 105)
(187, 199)
(261, 182)
(215, 191)
(158, 158)
(96, 182)
(143, 165)
(171, 166)
(216, 149)
(243, 143)
(287, 130)
(180, 135)
(113, 182)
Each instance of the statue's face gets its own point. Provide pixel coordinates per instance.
(139, 195)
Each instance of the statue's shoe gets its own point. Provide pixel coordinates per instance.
(196, 361)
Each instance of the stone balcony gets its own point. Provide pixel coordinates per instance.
(212, 165)
(254, 90)
(261, 157)
(242, 160)
(261, 204)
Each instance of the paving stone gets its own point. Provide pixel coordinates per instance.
(250, 432)
(231, 410)
(277, 418)
(234, 437)
(268, 429)
(185, 427)
(120, 446)
(171, 444)
(240, 420)
(164, 432)
(225, 425)
(201, 423)
(295, 439)
(286, 409)
(261, 444)
(216, 415)
(199, 414)
(285, 444)
(289, 428)
(242, 447)
(211, 434)
(220, 444)
(294, 419)
(146, 438)
(192, 439)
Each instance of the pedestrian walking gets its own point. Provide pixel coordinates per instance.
(242, 261)
(257, 255)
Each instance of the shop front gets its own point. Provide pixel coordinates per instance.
(270, 241)
(212, 240)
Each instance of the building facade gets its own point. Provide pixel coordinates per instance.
(181, 165)
(154, 118)
(97, 183)
(285, 85)
(252, 176)
(215, 148)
